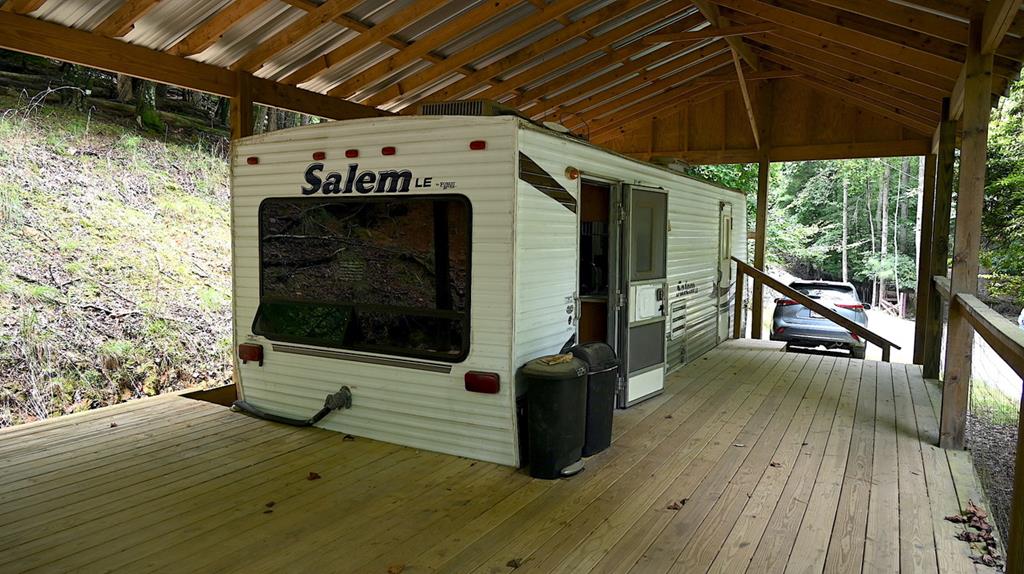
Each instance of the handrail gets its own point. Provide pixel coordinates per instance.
(1005, 338)
(942, 286)
(806, 301)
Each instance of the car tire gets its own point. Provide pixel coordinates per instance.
(858, 352)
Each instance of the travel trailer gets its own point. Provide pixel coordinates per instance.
(417, 262)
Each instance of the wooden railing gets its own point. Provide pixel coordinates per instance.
(1007, 340)
(742, 268)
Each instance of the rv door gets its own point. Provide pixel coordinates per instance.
(645, 287)
(724, 284)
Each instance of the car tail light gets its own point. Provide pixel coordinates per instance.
(780, 330)
(851, 306)
(784, 302)
(477, 382)
(855, 337)
(250, 352)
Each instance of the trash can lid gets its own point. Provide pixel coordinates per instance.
(555, 367)
(598, 356)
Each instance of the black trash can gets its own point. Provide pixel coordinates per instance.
(602, 372)
(556, 392)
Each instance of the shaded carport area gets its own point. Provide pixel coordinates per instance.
(704, 82)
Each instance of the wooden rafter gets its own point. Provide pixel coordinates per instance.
(876, 106)
(124, 18)
(408, 15)
(748, 102)
(536, 49)
(598, 83)
(502, 37)
(791, 45)
(916, 56)
(708, 33)
(602, 42)
(292, 33)
(33, 36)
(22, 6)
(649, 83)
(710, 11)
(612, 57)
(912, 104)
(214, 27)
(416, 50)
(622, 95)
(763, 75)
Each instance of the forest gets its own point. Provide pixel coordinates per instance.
(858, 220)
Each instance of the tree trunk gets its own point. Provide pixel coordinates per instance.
(920, 212)
(871, 227)
(124, 88)
(223, 111)
(846, 232)
(74, 82)
(145, 105)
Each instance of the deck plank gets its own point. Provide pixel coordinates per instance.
(882, 541)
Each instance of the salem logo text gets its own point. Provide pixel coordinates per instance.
(367, 181)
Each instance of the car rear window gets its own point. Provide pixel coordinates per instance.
(825, 291)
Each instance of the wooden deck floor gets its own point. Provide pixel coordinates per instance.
(753, 460)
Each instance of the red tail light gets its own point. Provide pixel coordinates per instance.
(250, 352)
(351, 153)
(477, 382)
(851, 306)
(780, 330)
(477, 145)
(387, 150)
(252, 160)
(855, 337)
(319, 155)
(784, 302)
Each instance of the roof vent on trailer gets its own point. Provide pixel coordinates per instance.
(467, 108)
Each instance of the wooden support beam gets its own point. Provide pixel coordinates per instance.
(124, 18)
(707, 33)
(22, 6)
(711, 12)
(381, 32)
(761, 76)
(418, 49)
(581, 27)
(970, 200)
(241, 107)
(999, 15)
(945, 156)
(33, 36)
(760, 239)
(293, 33)
(748, 103)
(211, 30)
(481, 48)
(924, 258)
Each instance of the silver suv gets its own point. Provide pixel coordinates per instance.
(798, 326)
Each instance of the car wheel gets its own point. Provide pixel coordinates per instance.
(858, 352)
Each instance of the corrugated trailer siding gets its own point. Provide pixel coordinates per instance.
(693, 239)
(547, 234)
(410, 407)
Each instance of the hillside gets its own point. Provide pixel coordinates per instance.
(114, 259)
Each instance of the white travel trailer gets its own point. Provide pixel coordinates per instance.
(420, 261)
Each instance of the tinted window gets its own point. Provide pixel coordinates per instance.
(825, 291)
(383, 275)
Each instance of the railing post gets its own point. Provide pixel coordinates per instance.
(737, 315)
(886, 352)
(761, 223)
(940, 242)
(970, 200)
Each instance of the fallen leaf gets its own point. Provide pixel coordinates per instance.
(268, 512)
(514, 563)
(270, 504)
(396, 568)
(677, 505)
(348, 437)
(113, 425)
(313, 476)
(774, 464)
(668, 416)
(739, 444)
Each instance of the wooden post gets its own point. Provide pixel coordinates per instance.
(757, 294)
(970, 198)
(241, 107)
(924, 258)
(939, 240)
(737, 315)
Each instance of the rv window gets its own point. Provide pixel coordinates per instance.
(387, 275)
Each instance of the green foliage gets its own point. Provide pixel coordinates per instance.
(1003, 217)
(993, 405)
